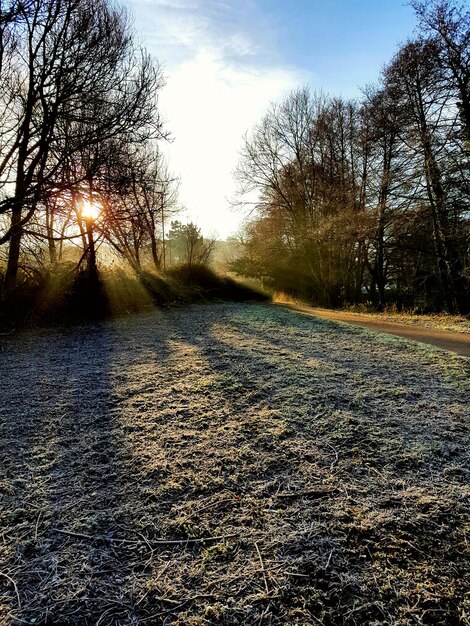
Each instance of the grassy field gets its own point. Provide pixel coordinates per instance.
(231, 464)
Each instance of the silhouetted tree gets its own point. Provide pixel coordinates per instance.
(448, 24)
(75, 82)
(414, 80)
(364, 201)
(188, 246)
(139, 195)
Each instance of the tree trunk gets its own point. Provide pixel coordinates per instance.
(440, 228)
(14, 250)
(155, 257)
(50, 234)
(437, 203)
(92, 269)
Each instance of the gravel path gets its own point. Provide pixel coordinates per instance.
(325, 466)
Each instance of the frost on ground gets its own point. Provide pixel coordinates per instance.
(324, 464)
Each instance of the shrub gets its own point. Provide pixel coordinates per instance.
(62, 296)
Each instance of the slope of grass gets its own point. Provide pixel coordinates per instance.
(438, 321)
(232, 464)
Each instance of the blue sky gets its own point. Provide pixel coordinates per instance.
(342, 43)
(226, 60)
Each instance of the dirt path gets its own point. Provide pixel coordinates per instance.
(446, 340)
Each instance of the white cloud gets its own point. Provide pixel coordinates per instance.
(209, 106)
(220, 80)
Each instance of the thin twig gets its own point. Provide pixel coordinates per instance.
(297, 575)
(262, 568)
(205, 508)
(336, 456)
(158, 542)
(312, 493)
(199, 596)
(329, 558)
(37, 525)
(10, 579)
(263, 615)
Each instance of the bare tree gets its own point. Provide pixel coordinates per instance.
(305, 159)
(77, 82)
(139, 195)
(363, 200)
(414, 80)
(448, 23)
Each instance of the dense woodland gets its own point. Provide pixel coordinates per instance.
(369, 201)
(358, 201)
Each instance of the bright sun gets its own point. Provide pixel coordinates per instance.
(90, 210)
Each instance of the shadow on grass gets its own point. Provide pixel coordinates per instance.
(72, 502)
(69, 475)
(371, 430)
(57, 297)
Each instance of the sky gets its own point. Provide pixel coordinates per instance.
(225, 61)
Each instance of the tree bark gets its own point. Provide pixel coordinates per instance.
(14, 250)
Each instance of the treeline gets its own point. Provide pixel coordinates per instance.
(369, 201)
(79, 127)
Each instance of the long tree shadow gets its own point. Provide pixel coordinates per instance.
(344, 350)
(68, 478)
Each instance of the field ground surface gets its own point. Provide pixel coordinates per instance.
(232, 464)
(443, 331)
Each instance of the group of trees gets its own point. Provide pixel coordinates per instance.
(79, 123)
(186, 245)
(369, 201)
